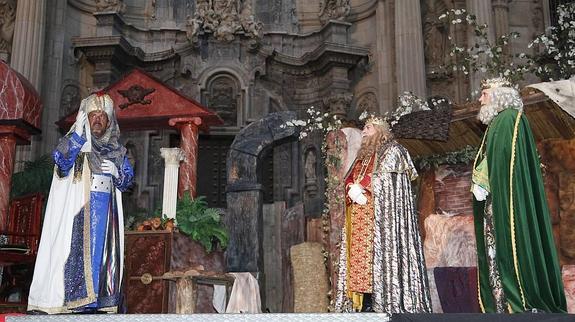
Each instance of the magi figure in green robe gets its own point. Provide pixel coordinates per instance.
(517, 261)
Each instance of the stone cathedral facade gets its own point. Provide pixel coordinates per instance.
(246, 59)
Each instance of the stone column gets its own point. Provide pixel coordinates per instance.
(28, 51)
(8, 15)
(28, 44)
(501, 20)
(7, 154)
(52, 85)
(482, 10)
(409, 59)
(501, 11)
(188, 127)
(384, 57)
(172, 158)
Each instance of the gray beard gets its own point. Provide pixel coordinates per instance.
(487, 113)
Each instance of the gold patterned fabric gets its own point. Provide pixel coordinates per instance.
(399, 278)
(361, 249)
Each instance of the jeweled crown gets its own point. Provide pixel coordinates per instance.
(376, 120)
(495, 83)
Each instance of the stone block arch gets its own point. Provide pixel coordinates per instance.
(244, 192)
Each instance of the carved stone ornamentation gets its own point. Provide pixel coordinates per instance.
(310, 166)
(70, 99)
(223, 18)
(368, 103)
(222, 98)
(333, 10)
(338, 104)
(136, 94)
(111, 5)
(7, 17)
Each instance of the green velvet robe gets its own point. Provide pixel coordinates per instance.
(526, 257)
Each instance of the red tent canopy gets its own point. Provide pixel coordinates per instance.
(20, 105)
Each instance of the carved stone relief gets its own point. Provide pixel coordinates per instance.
(223, 18)
(136, 94)
(7, 17)
(338, 104)
(333, 10)
(70, 99)
(367, 102)
(222, 97)
(310, 167)
(110, 5)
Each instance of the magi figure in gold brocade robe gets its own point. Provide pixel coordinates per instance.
(381, 265)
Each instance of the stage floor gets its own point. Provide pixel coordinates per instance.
(303, 317)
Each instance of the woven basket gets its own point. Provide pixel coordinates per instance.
(427, 125)
(309, 278)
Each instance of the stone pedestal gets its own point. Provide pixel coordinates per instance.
(172, 158)
(188, 127)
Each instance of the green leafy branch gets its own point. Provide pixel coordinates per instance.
(199, 222)
(465, 155)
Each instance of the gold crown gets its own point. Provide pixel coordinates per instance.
(376, 120)
(495, 83)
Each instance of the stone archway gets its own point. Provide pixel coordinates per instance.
(244, 192)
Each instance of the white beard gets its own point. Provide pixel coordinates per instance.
(487, 113)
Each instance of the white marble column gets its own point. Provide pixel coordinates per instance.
(482, 9)
(172, 158)
(409, 56)
(28, 43)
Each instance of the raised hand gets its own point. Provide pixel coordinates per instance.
(81, 118)
(109, 167)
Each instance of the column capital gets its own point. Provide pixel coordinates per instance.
(15, 133)
(172, 156)
(183, 121)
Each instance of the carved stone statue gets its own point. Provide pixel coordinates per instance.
(229, 23)
(111, 5)
(436, 33)
(368, 103)
(252, 28)
(223, 18)
(309, 166)
(310, 182)
(7, 17)
(338, 104)
(333, 10)
(70, 99)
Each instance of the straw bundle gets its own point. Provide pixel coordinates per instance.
(309, 278)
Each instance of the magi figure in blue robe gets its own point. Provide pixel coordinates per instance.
(80, 258)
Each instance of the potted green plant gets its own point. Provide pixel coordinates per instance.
(199, 222)
(35, 177)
